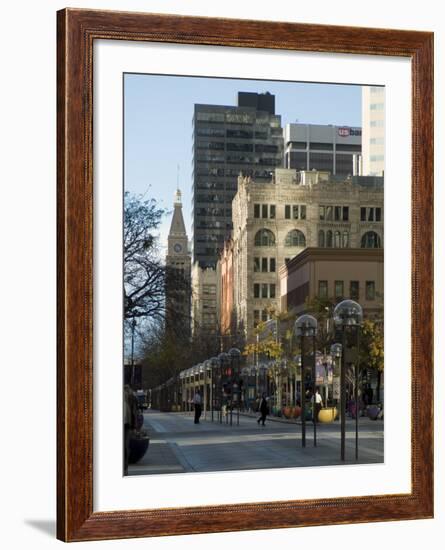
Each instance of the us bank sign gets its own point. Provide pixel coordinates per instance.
(345, 131)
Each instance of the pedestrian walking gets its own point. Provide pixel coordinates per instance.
(197, 404)
(263, 409)
(317, 399)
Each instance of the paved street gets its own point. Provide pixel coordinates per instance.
(179, 445)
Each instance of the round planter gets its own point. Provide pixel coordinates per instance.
(327, 415)
(373, 412)
(308, 414)
(287, 412)
(138, 447)
(352, 410)
(296, 413)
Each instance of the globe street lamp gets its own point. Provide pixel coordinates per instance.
(348, 316)
(306, 327)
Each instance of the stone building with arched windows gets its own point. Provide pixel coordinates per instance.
(274, 221)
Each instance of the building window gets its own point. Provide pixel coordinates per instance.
(322, 289)
(295, 238)
(256, 317)
(295, 211)
(334, 213)
(329, 239)
(371, 240)
(354, 290)
(264, 316)
(337, 243)
(264, 211)
(264, 290)
(321, 239)
(339, 289)
(264, 265)
(264, 237)
(345, 243)
(370, 214)
(370, 290)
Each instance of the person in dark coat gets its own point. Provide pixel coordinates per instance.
(263, 409)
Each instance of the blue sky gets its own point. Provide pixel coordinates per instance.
(158, 113)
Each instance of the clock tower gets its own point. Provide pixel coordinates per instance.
(178, 279)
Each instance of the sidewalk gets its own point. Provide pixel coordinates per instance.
(177, 445)
(292, 421)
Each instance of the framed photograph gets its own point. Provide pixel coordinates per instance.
(245, 231)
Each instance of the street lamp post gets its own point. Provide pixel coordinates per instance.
(223, 360)
(348, 316)
(298, 362)
(306, 327)
(133, 328)
(336, 352)
(213, 366)
(235, 356)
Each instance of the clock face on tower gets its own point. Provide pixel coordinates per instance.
(177, 247)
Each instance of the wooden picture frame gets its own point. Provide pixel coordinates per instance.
(77, 31)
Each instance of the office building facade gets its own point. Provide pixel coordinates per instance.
(276, 220)
(229, 140)
(353, 273)
(373, 120)
(336, 149)
(204, 298)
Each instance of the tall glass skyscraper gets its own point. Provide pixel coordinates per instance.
(228, 141)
